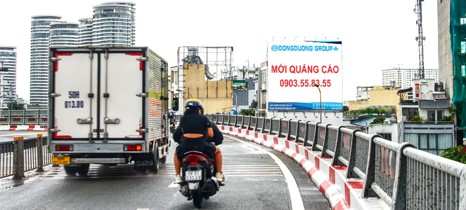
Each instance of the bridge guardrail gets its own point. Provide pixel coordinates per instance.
(19, 156)
(23, 119)
(402, 176)
(399, 174)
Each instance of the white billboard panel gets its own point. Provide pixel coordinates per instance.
(295, 68)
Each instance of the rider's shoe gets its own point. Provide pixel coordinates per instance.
(178, 179)
(220, 178)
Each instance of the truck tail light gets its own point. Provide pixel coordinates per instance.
(63, 147)
(132, 147)
(141, 64)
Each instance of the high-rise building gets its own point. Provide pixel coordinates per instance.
(402, 78)
(113, 24)
(7, 75)
(64, 34)
(85, 32)
(39, 66)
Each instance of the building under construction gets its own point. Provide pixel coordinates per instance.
(452, 57)
(204, 73)
(458, 46)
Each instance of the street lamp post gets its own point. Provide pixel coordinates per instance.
(236, 101)
(320, 100)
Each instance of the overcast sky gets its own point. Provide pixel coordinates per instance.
(376, 35)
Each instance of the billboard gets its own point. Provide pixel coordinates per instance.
(304, 75)
(240, 85)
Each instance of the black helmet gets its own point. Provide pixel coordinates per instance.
(194, 103)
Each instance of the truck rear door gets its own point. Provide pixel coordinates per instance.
(96, 95)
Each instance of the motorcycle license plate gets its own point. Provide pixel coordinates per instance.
(193, 175)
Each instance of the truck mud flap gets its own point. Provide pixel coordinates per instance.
(143, 161)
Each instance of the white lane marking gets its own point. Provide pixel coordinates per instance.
(295, 196)
(173, 185)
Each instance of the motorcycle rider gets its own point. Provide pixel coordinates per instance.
(196, 132)
(171, 117)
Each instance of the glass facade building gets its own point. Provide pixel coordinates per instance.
(85, 32)
(64, 34)
(39, 64)
(113, 24)
(7, 75)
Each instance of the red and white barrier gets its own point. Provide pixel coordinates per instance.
(342, 193)
(23, 128)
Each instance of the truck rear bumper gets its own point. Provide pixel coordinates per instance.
(80, 147)
(98, 160)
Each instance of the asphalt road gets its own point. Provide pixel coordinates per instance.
(254, 181)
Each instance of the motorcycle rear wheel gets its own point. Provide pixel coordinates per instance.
(197, 198)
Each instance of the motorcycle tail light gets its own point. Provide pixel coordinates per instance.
(193, 160)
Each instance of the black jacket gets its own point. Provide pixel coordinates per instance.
(217, 139)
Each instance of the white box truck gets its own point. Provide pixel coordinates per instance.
(108, 105)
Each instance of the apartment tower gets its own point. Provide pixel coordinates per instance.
(7, 75)
(39, 65)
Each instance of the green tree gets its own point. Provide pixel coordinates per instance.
(416, 118)
(247, 112)
(253, 104)
(455, 153)
(378, 120)
(15, 106)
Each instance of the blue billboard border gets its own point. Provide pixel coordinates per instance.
(299, 106)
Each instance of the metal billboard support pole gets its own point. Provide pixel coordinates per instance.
(320, 99)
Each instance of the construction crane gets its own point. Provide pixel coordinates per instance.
(420, 37)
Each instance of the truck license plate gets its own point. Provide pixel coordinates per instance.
(193, 175)
(61, 160)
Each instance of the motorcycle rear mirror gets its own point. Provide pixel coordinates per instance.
(175, 104)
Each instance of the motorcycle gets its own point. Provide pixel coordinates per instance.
(198, 177)
(172, 125)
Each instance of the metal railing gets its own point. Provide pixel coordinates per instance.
(399, 174)
(23, 117)
(19, 156)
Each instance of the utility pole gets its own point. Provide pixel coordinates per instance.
(233, 95)
(420, 37)
(320, 101)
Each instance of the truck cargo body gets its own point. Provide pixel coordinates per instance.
(108, 106)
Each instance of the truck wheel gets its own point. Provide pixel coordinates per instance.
(83, 169)
(155, 159)
(71, 170)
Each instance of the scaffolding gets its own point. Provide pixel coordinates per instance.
(458, 48)
(217, 60)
